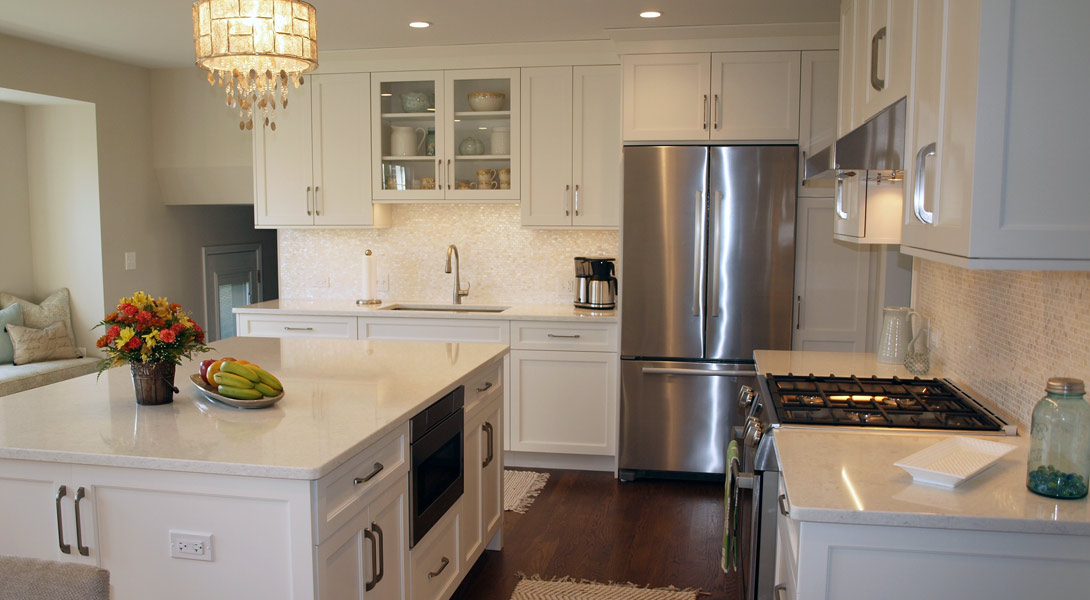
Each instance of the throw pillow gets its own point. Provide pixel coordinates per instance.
(39, 316)
(39, 345)
(14, 315)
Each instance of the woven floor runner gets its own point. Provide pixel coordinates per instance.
(566, 589)
(520, 488)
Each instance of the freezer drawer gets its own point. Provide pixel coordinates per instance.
(678, 416)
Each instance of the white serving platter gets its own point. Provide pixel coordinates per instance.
(211, 395)
(952, 461)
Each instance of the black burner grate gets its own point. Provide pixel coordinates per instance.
(876, 402)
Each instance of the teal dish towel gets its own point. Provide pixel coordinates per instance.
(729, 558)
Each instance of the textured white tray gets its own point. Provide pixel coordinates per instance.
(239, 403)
(953, 460)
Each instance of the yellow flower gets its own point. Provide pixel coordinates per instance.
(124, 337)
(151, 339)
(139, 299)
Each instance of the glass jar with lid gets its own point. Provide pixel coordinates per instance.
(1059, 455)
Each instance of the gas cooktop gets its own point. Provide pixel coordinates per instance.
(877, 402)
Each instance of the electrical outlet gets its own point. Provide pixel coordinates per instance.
(382, 284)
(190, 545)
(130, 261)
(565, 286)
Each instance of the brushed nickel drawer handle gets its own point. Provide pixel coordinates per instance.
(358, 480)
(84, 550)
(781, 591)
(487, 386)
(487, 427)
(783, 505)
(446, 561)
(298, 329)
(66, 548)
(556, 335)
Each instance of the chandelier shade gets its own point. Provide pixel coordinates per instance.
(254, 48)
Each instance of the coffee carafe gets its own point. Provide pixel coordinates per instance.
(596, 284)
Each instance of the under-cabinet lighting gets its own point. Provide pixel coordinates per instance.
(385, 94)
(482, 128)
(419, 24)
(650, 14)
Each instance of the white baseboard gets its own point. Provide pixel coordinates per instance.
(576, 462)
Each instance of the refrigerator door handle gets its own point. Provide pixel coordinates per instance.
(702, 372)
(713, 289)
(698, 254)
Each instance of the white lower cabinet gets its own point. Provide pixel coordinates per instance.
(564, 400)
(367, 557)
(284, 325)
(436, 565)
(483, 496)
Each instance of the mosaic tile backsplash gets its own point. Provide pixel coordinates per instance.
(500, 260)
(1004, 333)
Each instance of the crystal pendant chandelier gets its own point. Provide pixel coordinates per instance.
(253, 48)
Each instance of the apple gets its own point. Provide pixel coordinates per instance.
(204, 369)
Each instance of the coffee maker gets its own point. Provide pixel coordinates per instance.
(596, 285)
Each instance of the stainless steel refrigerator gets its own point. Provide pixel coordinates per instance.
(708, 266)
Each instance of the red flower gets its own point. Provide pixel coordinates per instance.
(111, 317)
(158, 323)
(144, 318)
(128, 309)
(177, 328)
(166, 335)
(113, 332)
(200, 333)
(134, 343)
(101, 342)
(174, 307)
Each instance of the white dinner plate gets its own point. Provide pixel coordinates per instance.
(212, 395)
(953, 460)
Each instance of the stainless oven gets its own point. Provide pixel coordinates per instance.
(437, 457)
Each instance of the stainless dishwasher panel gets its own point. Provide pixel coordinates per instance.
(678, 416)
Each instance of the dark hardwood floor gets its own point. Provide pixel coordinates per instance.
(591, 526)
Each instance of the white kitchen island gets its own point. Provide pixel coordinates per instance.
(282, 493)
(852, 525)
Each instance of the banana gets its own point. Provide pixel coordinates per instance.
(240, 370)
(265, 390)
(239, 393)
(268, 378)
(232, 380)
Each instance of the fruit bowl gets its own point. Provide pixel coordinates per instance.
(480, 101)
(211, 394)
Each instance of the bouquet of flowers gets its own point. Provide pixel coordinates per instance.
(147, 330)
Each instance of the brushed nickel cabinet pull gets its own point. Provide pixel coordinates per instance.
(308, 201)
(65, 548)
(705, 111)
(717, 124)
(577, 199)
(84, 550)
(783, 505)
(358, 480)
(286, 328)
(876, 82)
(487, 427)
(370, 585)
(316, 210)
(567, 200)
(381, 553)
(487, 386)
(446, 561)
(556, 335)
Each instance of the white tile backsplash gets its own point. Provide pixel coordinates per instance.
(1004, 333)
(501, 261)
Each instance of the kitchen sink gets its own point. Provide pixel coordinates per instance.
(460, 308)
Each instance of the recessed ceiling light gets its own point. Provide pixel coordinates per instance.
(650, 14)
(419, 24)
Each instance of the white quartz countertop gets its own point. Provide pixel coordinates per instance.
(848, 476)
(340, 397)
(516, 312)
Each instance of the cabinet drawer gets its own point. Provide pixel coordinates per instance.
(558, 335)
(340, 494)
(260, 325)
(436, 568)
(434, 330)
(483, 386)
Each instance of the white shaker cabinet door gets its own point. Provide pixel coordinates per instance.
(596, 154)
(817, 114)
(283, 185)
(38, 519)
(755, 96)
(666, 96)
(547, 146)
(342, 149)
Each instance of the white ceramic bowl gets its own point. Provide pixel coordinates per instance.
(486, 100)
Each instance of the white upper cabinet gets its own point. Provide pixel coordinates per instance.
(755, 96)
(445, 135)
(312, 171)
(883, 60)
(571, 147)
(730, 96)
(817, 114)
(998, 135)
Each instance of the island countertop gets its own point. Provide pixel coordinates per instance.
(340, 397)
(348, 308)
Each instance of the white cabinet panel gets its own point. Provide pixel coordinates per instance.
(564, 402)
(35, 523)
(553, 335)
(434, 330)
(283, 183)
(596, 156)
(831, 284)
(547, 145)
(281, 325)
(755, 96)
(817, 114)
(436, 564)
(666, 96)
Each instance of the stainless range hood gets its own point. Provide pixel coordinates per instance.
(877, 145)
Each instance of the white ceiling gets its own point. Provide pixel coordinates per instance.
(158, 33)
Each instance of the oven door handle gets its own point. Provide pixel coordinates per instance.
(705, 372)
(740, 480)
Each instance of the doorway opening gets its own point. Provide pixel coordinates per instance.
(232, 278)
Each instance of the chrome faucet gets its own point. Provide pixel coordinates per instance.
(458, 291)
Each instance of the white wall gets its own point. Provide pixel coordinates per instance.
(65, 233)
(16, 272)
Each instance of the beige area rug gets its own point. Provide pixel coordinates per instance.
(568, 589)
(520, 488)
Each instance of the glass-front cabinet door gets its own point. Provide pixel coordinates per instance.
(483, 134)
(407, 136)
(445, 135)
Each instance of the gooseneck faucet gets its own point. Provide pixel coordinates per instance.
(458, 291)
